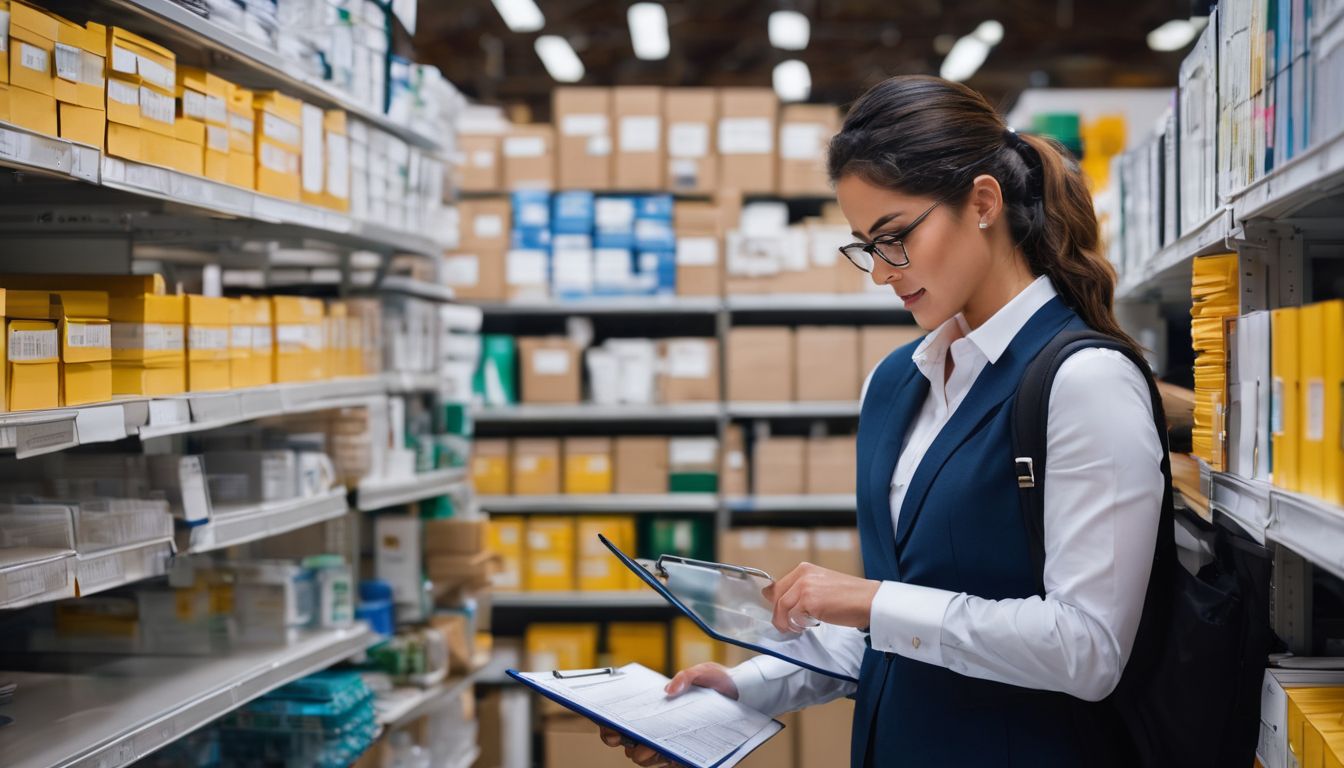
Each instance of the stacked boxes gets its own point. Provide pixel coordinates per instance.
(86, 347)
(242, 171)
(203, 102)
(478, 271)
(746, 139)
(637, 115)
(79, 87)
(279, 142)
(527, 273)
(805, 130)
(336, 144)
(208, 341)
(572, 263)
(32, 48)
(692, 166)
(32, 367)
(529, 152)
(300, 338)
(699, 232)
(583, 141)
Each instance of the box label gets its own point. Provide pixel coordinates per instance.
(483, 158)
(32, 57)
(30, 346)
(208, 337)
(193, 104)
(156, 73)
(697, 251)
(123, 93)
(745, 136)
(299, 335)
(524, 146)
(583, 125)
(91, 69)
(216, 110)
(149, 337)
(525, 268)
(599, 146)
(833, 541)
(692, 452)
(462, 270)
(240, 337)
(88, 335)
(488, 226)
(640, 133)
(261, 337)
(279, 160)
(800, 141)
(688, 360)
(123, 60)
(1315, 410)
(241, 123)
(69, 62)
(217, 138)
(156, 106)
(280, 129)
(1276, 407)
(550, 362)
(4, 30)
(688, 140)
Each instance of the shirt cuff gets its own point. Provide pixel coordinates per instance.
(907, 619)
(757, 687)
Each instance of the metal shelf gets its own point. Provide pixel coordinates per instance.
(824, 302)
(230, 527)
(112, 711)
(806, 503)
(382, 493)
(613, 503)
(197, 412)
(100, 571)
(411, 382)
(1310, 527)
(1167, 275)
(247, 61)
(631, 599)
(417, 288)
(789, 410)
(527, 414)
(403, 705)
(1296, 183)
(30, 575)
(643, 305)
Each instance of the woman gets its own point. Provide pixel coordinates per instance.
(991, 242)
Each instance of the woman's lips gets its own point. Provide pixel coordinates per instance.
(910, 298)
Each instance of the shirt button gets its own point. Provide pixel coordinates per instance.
(915, 642)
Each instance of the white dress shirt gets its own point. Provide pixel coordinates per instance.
(1103, 497)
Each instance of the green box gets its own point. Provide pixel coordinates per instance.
(496, 382)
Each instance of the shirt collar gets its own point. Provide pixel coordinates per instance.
(994, 336)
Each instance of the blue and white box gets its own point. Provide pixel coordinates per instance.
(531, 209)
(572, 213)
(614, 222)
(657, 275)
(613, 272)
(572, 266)
(654, 207)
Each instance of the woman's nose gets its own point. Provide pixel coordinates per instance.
(883, 273)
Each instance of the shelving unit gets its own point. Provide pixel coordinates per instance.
(383, 493)
(747, 505)
(587, 413)
(231, 526)
(793, 410)
(633, 599)
(111, 711)
(615, 503)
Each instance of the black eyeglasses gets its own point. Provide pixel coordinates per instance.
(889, 247)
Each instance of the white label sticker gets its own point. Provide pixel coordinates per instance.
(697, 251)
(283, 131)
(217, 138)
(688, 140)
(525, 268)
(29, 346)
(34, 58)
(614, 213)
(313, 158)
(261, 337)
(583, 125)
(464, 270)
(1315, 410)
(524, 146)
(156, 73)
(736, 460)
(338, 166)
(123, 60)
(216, 110)
(123, 93)
(550, 362)
(156, 106)
(1276, 407)
(483, 158)
(599, 146)
(208, 337)
(801, 141)
(240, 337)
(688, 359)
(149, 337)
(692, 451)
(88, 335)
(91, 68)
(279, 160)
(241, 123)
(4, 30)
(193, 104)
(488, 226)
(745, 136)
(69, 62)
(641, 133)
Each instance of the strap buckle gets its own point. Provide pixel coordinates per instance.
(1026, 472)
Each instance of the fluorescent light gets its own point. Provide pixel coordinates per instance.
(792, 80)
(559, 58)
(789, 30)
(648, 30)
(1175, 34)
(520, 15)
(990, 32)
(964, 59)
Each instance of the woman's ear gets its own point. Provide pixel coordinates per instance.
(986, 200)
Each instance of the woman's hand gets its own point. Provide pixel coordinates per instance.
(712, 676)
(822, 594)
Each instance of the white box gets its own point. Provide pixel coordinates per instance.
(397, 556)
(249, 477)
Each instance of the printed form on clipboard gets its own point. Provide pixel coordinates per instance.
(725, 601)
(699, 728)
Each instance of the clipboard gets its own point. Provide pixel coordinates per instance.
(743, 749)
(735, 625)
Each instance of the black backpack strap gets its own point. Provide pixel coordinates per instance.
(1031, 411)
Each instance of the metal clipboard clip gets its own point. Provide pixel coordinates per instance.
(734, 571)
(578, 673)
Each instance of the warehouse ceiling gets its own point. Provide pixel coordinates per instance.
(854, 43)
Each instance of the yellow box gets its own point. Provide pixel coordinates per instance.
(337, 340)
(504, 537)
(300, 345)
(158, 113)
(191, 92)
(587, 465)
(490, 467)
(32, 44)
(123, 101)
(4, 59)
(250, 347)
(82, 124)
(536, 467)
(4, 100)
(242, 170)
(149, 345)
(157, 149)
(86, 347)
(561, 646)
(124, 141)
(1303, 702)
(32, 375)
(80, 58)
(207, 343)
(188, 157)
(550, 554)
(598, 571)
(216, 153)
(33, 110)
(638, 642)
(336, 142)
(279, 142)
(116, 286)
(691, 646)
(242, 120)
(190, 130)
(277, 170)
(240, 342)
(286, 107)
(141, 60)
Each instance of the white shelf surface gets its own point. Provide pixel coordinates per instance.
(1310, 527)
(33, 575)
(122, 708)
(111, 568)
(231, 526)
(417, 288)
(626, 599)
(405, 704)
(410, 382)
(196, 412)
(588, 412)
(818, 410)
(382, 493)
(1168, 273)
(612, 503)
(804, 503)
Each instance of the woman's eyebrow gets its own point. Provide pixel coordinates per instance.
(878, 224)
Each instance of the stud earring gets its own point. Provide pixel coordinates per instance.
(984, 225)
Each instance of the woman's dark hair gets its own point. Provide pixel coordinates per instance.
(929, 137)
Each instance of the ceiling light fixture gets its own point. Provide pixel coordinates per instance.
(1175, 34)
(520, 15)
(789, 30)
(792, 80)
(969, 52)
(648, 30)
(561, 62)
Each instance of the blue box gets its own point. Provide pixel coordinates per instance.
(654, 207)
(531, 209)
(614, 222)
(530, 238)
(657, 272)
(613, 272)
(655, 235)
(572, 213)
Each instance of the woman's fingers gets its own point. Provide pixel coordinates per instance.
(609, 737)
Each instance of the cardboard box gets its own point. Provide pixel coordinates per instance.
(529, 157)
(638, 642)
(550, 368)
(878, 341)
(760, 364)
(476, 274)
(240, 341)
(536, 467)
(337, 157)
(32, 43)
(148, 344)
(637, 117)
(690, 370)
(490, 467)
(32, 110)
(598, 570)
(279, 144)
(805, 131)
(300, 338)
(527, 274)
(831, 466)
(573, 742)
(587, 465)
(242, 137)
(551, 554)
(746, 139)
(208, 339)
(81, 124)
(478, 168)
(733, 467)
(691, 646)
(823, 733)
(777, 551)
(828, 363)
(837, 549)
(641, 465)
(583, 118)
(505, 539)
(86, 347)
(779, 466)
(32, 371)
(691, 120)
(485, 224)
(699, 231)
(693, 465)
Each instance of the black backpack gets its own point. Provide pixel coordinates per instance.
(1190, 692)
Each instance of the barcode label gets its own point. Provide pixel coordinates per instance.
(300, 335)
(241, 124)
(216, 110)
(217, 138)
(88, 335)
(69, 62)
(149, 337)
(261, 337)
(123, 60)
(34, 58)
(91, 69)
(241, 337)
(4, 30)
(1315, 410)
(193, 104)
(123, 93)
(280, 129)
(279, 160)
(206, 337)
(156, 106)
(28, 346)
(156, 73)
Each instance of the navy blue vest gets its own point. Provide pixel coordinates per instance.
(960, 529)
